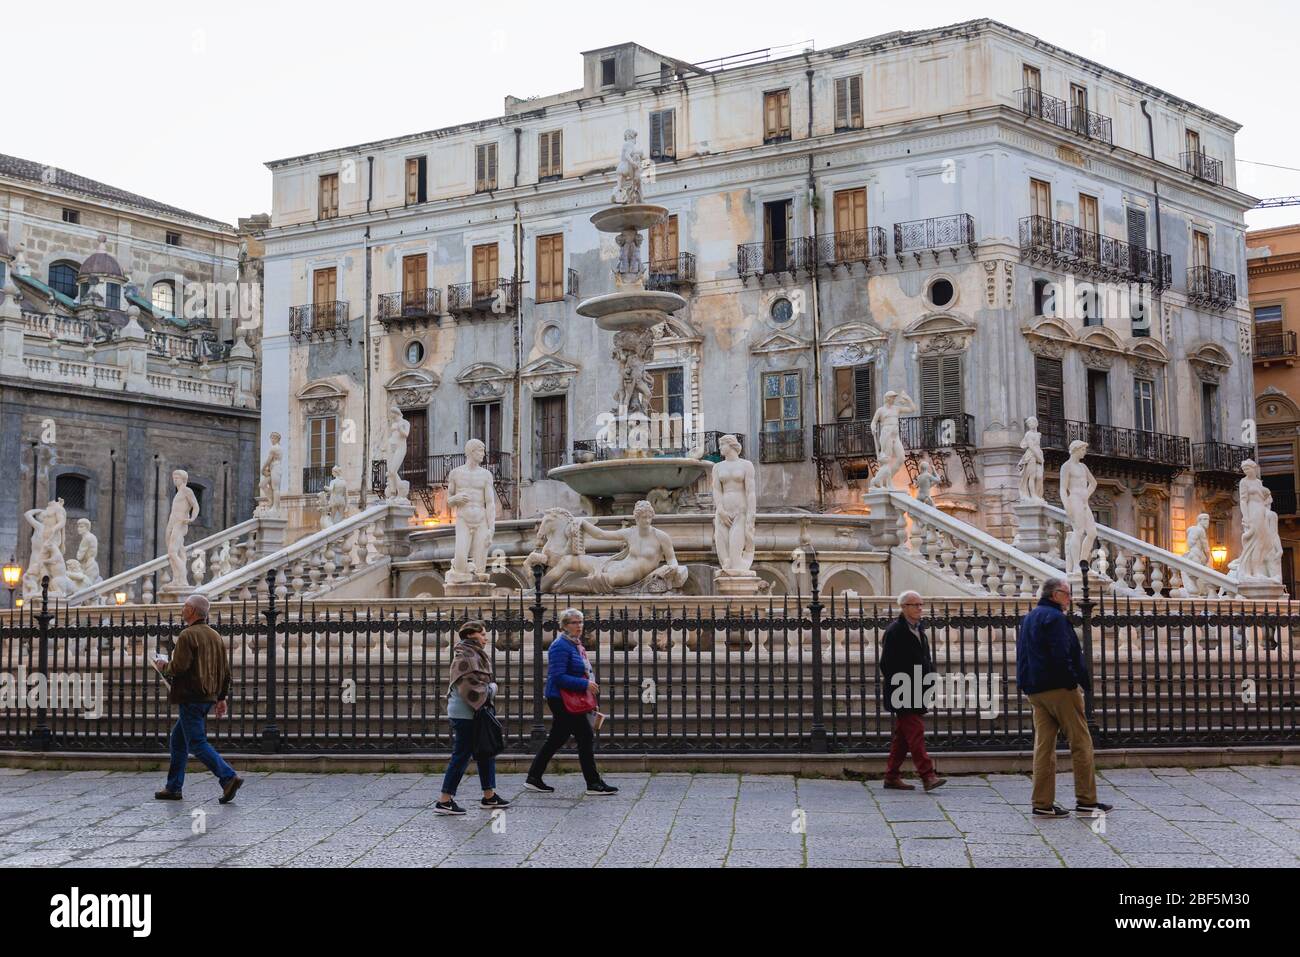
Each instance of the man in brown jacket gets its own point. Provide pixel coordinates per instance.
(200, 678)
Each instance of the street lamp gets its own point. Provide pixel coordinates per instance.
(1219, 553)
(13, 574)
(120, 597)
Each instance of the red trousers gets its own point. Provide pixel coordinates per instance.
(909, 735)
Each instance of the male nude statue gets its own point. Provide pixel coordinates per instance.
(472, 494)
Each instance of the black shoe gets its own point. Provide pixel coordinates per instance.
(496, 800)
(228, 792)
(165, 795)
(1054, 811)
(449, 807)
(537, 784)
(1092, 810)
(601, 788)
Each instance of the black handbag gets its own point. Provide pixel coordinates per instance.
(489, 739)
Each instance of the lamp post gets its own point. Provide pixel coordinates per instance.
(1219, 555)
(13, 574)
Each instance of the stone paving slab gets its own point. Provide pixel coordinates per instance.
(1164, 817)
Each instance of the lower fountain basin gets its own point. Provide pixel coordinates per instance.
(637, 216)
(631, 478)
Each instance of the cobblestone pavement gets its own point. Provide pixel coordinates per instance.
(1167, 817)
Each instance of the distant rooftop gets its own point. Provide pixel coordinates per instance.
(17, 168)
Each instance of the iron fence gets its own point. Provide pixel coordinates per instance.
(784, 674)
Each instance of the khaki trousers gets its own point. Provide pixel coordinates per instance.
(1055, 711)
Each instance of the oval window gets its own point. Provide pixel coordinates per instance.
(782, 310)
(941, 292)
(414, 353)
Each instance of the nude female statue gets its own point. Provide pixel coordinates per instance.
(735, 499)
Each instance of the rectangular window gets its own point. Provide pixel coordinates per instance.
(1098, 397)
(486, 270)
(1149, 527)
(782, 401)
(1144, 405)
(485, 425)
(776, 116)
(72, 216)
(329, 196)
(941, 392)
(1268, 320)
(1089, 221)
(321, 434)
(549, 153)
(848, 103)
(778, 225)
(485, 168)
(1079, 108)
(1193, 141)
(850, 211)
(173, 239)
(663, 134)
(854, 401)
(550, 438)
(550, 268)
(415, 277)
(1049, 402)
(1200, 248)
(417, 179)
(667, 394)
(112, 296)
(1031, 78)
(663, 247)
(325, 285)
(1209, 412)
(607, 74)
(1040, 198)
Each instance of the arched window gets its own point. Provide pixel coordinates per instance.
(63, 278)
(164, 298)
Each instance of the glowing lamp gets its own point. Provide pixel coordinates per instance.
(18, 603)
(13, 574)
(120, 597)
(1219, 553)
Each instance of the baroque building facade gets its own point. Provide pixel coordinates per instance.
(125, 330)
(993, 225)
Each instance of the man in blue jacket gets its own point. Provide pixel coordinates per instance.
(1051, 671)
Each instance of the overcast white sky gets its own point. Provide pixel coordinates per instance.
(184, 102)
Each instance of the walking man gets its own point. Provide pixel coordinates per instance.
(906, 668)
(200, 681)
(1051, 671)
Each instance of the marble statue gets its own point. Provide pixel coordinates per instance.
(222, 562)
(1077, 486)
(630, 158)
(1272, 543)
(471, 493)
(76, 576)
(889, 446)
(395, 454)
(333, 499)
(1198, 541)
(1031, 463)
(88, 552)
(926, 477)
(1261, 548)
(185, 511)
(268, 499)
(646, 564)
(559, 547)
(735, 499)
(47, 552)
(633, 349)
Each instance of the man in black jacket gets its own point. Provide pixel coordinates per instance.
(905, 667)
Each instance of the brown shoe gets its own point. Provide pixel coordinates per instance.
(932, 781)
(165, 795)
(228, 792)
(898, 784)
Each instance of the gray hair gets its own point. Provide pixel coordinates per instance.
(570, 614)
(908, 594)
(200, 604)
(1050, 586)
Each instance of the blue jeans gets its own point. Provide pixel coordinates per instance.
(190, 736)
(462, 749)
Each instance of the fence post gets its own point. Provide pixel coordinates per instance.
(270, 733)
(1085, 609)
(41, 736)
(818, 741)
(538, 733)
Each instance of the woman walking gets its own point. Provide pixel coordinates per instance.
(471, 688)
(571, 695)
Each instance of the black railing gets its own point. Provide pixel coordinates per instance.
(1070, 247)
(315, 478)
(1275, 345)
(670, 444)
(1059, 113)
(775, 258)
(319, 320)
(844, 440)
(420, 304)
(783, 445)
(852, 246)
(498, 296)
(1220, 457)
(1146, 449)
(1203, 167)
(668, 273)
(1210, 287)
(432, 471)
(1284, 503)
(780, 675)
(919, 433)
(939, 232)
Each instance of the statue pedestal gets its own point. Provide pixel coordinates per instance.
(1261, 589)
(176, 593)
(466, 589)
(1032, 531)
(747, 585)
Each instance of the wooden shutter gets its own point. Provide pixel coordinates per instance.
(415, 274)
(413, 180)
(329, 196)
(485, 167)
(662, 135)
(1040, 198)
(776, 114)
(548, 154)
(550, 268)
(1193, 141)
(850, 210)
(848, 102)
(1137, 228)
(321, 448)
(1031, 77)
(1088, 213)
(325, 285)
(485, 269)
(663, 245)
(415, 469)
(941, 392)
(1049, 388)
(549, 436)
(1200, 248)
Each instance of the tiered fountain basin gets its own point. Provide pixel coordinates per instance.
(632, 309)
(627, 480)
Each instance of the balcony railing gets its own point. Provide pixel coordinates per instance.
(184, 348)
(593, 450)
(319, 320)
(1219, 461)
(429, 474)
(1203, 167)
(499, 296)
(844, 440)
(1210, 287)
(1060, 114)
(1275, 345)
(920, 433)
(412, 304)
(1129, 450)
(775, 258)
(935, 234)
(784, 445)
(852, 246)
(1284, 503)
(673, 272)
(314, 479)
(1069, 247)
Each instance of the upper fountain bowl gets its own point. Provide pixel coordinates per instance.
(633, 308)
(637, 216)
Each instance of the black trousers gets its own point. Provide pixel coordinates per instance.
(563, 727)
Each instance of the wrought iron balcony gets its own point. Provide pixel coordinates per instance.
(314, 479)
(429, 474)
(671, 273)
(319, 320)
(1203, 167)
(850, 439)
(1068, 247)
(1284, 503)
(1115, 450)
(930, 433)
(1275, 345)
(776, 258)
(1210, 287)
(1059, 113)
(1218, 463)
(781, 445)
(414, 304)
(934, 235)
(852, 246)
(497, 296)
